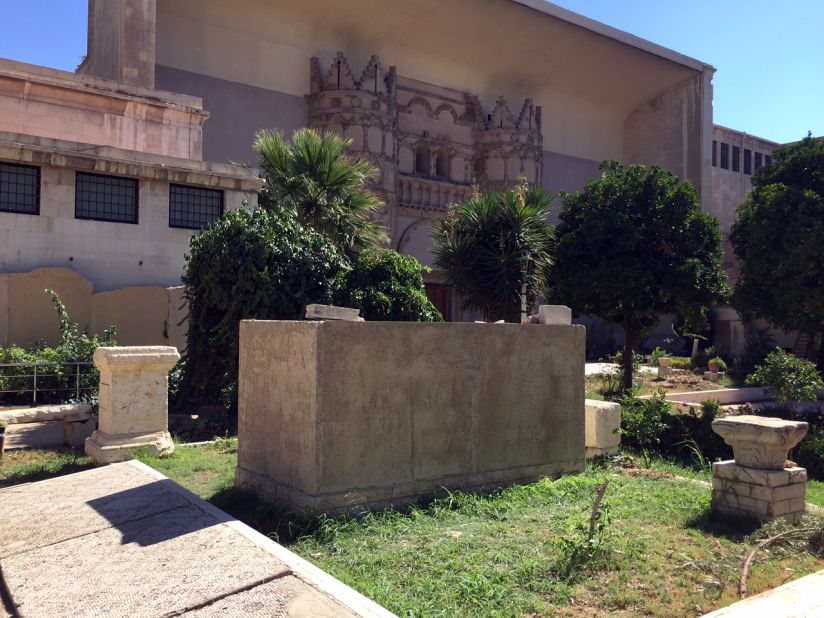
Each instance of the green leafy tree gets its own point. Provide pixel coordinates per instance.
(313, 178)
(778, 241)
(633, 245)
(249, 264)
(492, 244)
(791, 379)
(388, 286)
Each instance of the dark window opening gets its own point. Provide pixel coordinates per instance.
(767, 160)
(725, 156)
(736, 159)
(105, 198)
(758, 164)
(422, 160)
(442, 164)
(20, 188)
(441, 296)
(194, 208)
(714, 153)
(747, 161)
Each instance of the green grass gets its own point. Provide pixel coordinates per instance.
(502, 554)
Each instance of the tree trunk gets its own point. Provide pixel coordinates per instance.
(819, 361)
(629, 350)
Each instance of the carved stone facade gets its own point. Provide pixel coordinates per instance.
(430, 143)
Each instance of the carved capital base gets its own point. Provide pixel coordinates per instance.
(106, 449)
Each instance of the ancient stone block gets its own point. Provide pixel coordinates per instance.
(134, 409)
(602, 427)
(554, 314)
(76, 432)
(758, 494)
(758, 441)
(331, 312)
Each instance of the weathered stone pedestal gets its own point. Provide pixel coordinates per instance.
(664, 369)
(602, 427)
(134, 411)
(756, 484)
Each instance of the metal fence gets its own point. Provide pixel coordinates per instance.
(49, 380)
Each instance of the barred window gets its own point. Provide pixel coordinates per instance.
(758, 163)
(20, 188)
(714, 153)
(105, 198)
(725, 156)
(747, 161)
(736, 159)
(194, 208)
(767, 160)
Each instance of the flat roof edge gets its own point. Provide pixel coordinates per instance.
(553, 10)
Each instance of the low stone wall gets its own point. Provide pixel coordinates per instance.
(337, 415)
(143, 315)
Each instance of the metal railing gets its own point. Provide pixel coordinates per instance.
(47, 378)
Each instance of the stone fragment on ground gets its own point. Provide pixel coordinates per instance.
(125, 541)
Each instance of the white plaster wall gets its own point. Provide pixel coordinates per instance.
(270, 49)
(110, 255)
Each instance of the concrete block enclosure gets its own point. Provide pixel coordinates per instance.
(339, 415)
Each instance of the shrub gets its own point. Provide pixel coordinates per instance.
(791, 379)
(388, 286)
(717, 360)
(810, 452)
(59, 382)
(657, 353)
(680, 362)
(756, 347)
(699, 360)
(249, 264)
(642, 422)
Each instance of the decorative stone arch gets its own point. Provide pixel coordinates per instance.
(421, 102)
(445, 107)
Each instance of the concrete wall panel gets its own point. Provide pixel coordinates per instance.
(334, 415)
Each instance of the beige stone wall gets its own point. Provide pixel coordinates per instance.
(668, 131)
(143, 315)
(339, 414)
(585, 98)
(49, 103)
(110, 255)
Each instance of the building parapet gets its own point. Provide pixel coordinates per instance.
(58, 153)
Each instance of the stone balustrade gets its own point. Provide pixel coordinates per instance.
(430, 194)
(134, 412)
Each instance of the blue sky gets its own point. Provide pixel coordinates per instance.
(769, 53)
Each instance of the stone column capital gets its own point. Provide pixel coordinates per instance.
(136, 358)
(758, 441)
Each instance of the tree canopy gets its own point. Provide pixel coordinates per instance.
(777, 239)
(491, 244)
(633, 245)
(314, 178)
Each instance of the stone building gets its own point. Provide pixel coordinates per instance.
(440, 96)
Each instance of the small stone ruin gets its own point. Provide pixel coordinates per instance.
(757, 484)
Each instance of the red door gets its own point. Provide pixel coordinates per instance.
(441, 296)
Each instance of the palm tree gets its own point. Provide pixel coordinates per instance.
(492, 244)
(326, 189)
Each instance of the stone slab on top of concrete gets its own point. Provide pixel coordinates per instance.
(123, 540)
(338, 415)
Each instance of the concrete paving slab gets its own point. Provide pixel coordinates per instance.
(284, 597)
(802, 598)
(59, 509)
(130, 542)
(150, 567)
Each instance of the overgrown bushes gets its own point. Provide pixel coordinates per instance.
(387, 286)
(58, 381)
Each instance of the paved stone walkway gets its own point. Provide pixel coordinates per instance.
(124, 540)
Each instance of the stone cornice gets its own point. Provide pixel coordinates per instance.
(49, 152)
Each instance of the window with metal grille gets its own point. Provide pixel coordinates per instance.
(20, 188)
(736, 158)
(747, 161)
(105, 198)
(725, 156)
(758, 164)
(194, 208)
(714, 153)
(767, 160)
